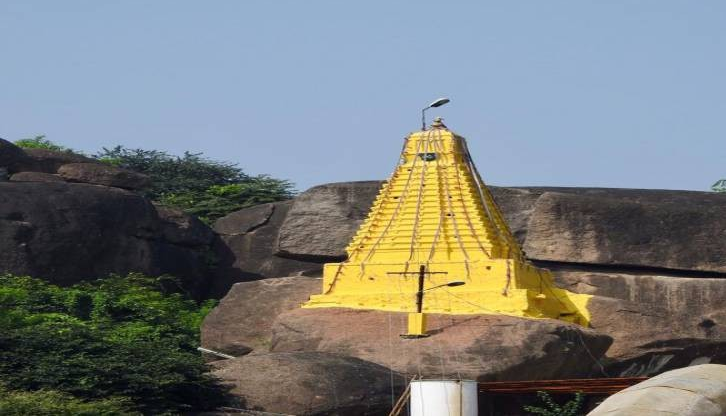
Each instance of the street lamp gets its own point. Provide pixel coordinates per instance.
(437, 103)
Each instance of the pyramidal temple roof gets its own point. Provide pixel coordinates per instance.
(434, 207)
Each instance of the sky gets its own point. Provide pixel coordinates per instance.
(622, 93)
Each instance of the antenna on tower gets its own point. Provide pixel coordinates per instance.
(437, 103)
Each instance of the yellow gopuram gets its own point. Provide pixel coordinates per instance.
(436, 242)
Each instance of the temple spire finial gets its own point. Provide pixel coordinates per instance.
(438, 123)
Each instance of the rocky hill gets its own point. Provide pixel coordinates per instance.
(654, 261)
(67, 218)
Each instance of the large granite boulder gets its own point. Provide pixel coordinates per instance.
(49, 161)
(667, 323)
(12, 157)
(480, 347)
(266, 316)
(178, 227)
(102, 174)
(658, 322)
(65, 233)
(323, 220)
(664, 229)
(247, 244)
(693, 391)
(310, 383)
(244, 317)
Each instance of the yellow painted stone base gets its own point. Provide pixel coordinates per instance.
(493, 286)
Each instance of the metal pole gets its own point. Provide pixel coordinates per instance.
(420, 293)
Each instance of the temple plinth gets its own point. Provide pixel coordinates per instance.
(435, 215)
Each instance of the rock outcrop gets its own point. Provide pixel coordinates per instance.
(663, 229)
(658, 322)
(36, 177)
(310, 384)
(65, 233)
(243, 320)
(693, 391)
(100, 174)
(323, 220)
(12, 158)
(478, 347)
(266, 316)
(247, 245)
(49, 161)
(653, 259)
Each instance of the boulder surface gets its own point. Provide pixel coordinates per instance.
(101, 174)
(65, 233)
(310, 383)
(658, 322)
(243, 319)
(12, 158)
(247, 245)
(692, 391)
(479, 347)
(664, 229)
(49, 161)
(323, 220)
(266, 316)
(36, 177)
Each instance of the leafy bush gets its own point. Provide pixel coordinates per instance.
(571, 408)
(219, 200)
(40, 142)
(200, 186)
(53, 403)
(121, 337)
(719, 186)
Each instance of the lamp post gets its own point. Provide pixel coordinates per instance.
(437, 103)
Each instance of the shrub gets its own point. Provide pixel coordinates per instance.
(551, 408)
(719, 186)
(40, 142)
(125, 337)
(53, 403)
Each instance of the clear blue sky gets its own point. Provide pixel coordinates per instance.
(559, 93)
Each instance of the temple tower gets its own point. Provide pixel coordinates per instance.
(436, 242)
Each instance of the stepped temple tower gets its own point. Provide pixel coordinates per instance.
(436, 242)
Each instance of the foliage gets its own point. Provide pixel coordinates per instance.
(719, 186)
(219, 200)
(200, 186)
(53, 403)
(40, 142)
(122, 337)
(571, 408)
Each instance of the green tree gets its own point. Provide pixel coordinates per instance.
(128, 337)
(206, 188)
